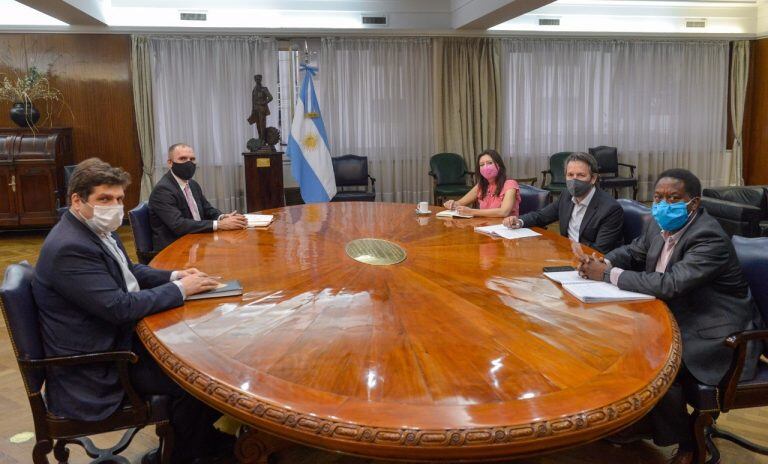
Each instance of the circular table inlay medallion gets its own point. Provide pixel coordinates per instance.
(375, 251)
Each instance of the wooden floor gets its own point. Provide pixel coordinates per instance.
(16, 419)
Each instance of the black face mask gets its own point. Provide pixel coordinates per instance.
(184, 171)
(577, 188)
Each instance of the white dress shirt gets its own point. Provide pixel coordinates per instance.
(182, 185)
(577, 216)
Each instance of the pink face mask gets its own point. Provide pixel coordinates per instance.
(489, 171)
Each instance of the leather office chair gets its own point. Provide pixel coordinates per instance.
(68, 170)
(636, 216)
(608, 169)
(533, 199)
(556, 171)
(740, 210)
(142, 232)
(20, 315)
(449, 173)
(708, 401)
(352, 171)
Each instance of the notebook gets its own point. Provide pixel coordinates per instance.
(566, 277)
(590, 291)
(452, 213)
(231, 288)
(500, 230)
(259, 220)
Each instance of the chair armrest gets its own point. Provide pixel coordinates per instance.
(121, 358)
(631, 167)
(737, 341)
(432, 174)
(373, 183)
(544, 177)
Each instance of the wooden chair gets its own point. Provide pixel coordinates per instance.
(556, 173)
(449, 172)
(608, 168)
(352, 171)
(53, 432)
(709, 401)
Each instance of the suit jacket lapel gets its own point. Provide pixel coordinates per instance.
(96, 240)
(568, 212)
(654, 251)
(590, 212)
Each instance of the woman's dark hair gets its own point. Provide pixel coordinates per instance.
(501, 177)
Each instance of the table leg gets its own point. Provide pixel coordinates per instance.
(255, 447)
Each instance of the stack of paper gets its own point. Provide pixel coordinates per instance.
(452, 213)
(566, 277)
(592, 291)
(259, 220)
(500, 230)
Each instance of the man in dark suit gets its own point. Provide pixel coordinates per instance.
(685, 259)
(586, 213)
(177, 206)
(90, 297)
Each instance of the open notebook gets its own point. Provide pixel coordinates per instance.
(500, 230)
(451, 213)
(259, 220)
(590, 291)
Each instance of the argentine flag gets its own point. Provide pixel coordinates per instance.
(308, 146)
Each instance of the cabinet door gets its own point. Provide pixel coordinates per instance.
(36, 193)
(8, 188)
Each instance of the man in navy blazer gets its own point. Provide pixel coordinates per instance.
(177, 206)
(91, 296)
(587, 214)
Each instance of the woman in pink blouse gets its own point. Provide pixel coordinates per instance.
(496, 195)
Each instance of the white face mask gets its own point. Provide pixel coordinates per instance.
(106, 219)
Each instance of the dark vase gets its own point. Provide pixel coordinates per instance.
(24, 114)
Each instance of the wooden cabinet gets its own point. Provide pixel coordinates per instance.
(32, 175)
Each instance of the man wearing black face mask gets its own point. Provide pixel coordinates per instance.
(177, 204)
(587, 214)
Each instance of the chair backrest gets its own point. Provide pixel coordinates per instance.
(557, 166)
(350, 170)
(607, 159)
(636, 216)
(751, 195)
(533, 198)
(448, 168)
(753, 256)
(21, 319)
(142, 231)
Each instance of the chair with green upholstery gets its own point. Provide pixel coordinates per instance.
(449, 172)
(556, 171)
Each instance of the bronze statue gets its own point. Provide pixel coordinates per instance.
(260, 98)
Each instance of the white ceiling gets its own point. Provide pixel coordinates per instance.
(731, 18)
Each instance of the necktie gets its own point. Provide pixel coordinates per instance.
(191, 202)
(130, 280)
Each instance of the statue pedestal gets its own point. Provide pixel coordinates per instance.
(263, 180)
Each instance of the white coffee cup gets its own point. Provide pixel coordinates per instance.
(423, 207)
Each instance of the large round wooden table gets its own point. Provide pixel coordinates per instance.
(463, 351)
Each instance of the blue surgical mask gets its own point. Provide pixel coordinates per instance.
(670, 216)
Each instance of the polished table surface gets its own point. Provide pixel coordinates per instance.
(464, 350)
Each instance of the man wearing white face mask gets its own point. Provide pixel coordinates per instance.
(90, 296)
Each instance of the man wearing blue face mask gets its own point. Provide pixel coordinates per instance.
(177, 206)
(90, 297)
(587, 214)
(685, 259)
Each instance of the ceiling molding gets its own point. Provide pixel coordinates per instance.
(72, 12)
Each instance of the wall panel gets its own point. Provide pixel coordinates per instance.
(93, 71)
(756, 116)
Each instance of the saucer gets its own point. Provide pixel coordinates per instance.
(423, 212)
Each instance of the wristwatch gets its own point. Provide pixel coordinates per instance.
(607, 274)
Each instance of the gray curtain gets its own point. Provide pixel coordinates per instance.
(141, 72)
(739, 78)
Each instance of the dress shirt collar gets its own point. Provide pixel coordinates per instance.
(586, 200)
(182, 183)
